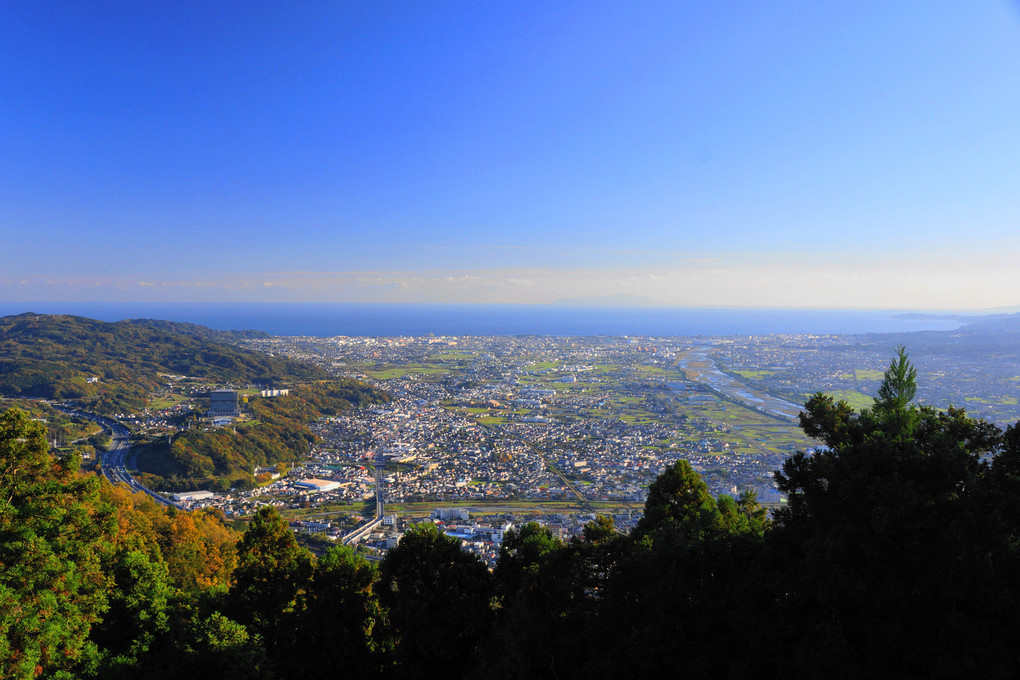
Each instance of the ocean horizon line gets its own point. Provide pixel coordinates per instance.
(420, 319)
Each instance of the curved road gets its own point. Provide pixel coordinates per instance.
(114, 461)
(114, 465)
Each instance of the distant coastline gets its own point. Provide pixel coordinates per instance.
(354, 319)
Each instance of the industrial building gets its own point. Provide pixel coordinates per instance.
(223, 403)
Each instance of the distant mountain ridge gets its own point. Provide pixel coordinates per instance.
(114, 367)
(995, 323)
(201, 332)
(1003, 319)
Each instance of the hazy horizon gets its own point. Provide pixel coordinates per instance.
(571, 303)
(742, 155)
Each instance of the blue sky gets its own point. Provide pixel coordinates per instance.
(861, 154)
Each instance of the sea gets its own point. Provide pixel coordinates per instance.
(389, 320)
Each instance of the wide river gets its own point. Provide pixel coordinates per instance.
(705, 371)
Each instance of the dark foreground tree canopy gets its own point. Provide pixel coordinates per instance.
(896, 556)
(54, 356)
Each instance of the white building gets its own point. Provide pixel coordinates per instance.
(274, 393)
(191, 496)
(450, 513)
(317, 485)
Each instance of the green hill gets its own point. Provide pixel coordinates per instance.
(221, 458)
(114, 367)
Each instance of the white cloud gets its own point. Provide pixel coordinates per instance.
(741, 279)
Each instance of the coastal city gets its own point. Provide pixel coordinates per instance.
(484, 433)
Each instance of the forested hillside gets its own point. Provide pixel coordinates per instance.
(114, 367)
(224, 458)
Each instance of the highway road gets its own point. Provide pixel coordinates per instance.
(114, 461)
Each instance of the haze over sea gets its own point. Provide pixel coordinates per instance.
(326, 320)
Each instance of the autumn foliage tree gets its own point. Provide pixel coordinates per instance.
(51, 587)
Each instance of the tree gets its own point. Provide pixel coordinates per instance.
(683, 575)
(51, 585)
(899, 384)
(891, 554)
(522, 554)
(204, 643)
(343, 624)
(439, 602)
(199, 549)
(271, 578)
(677, 497)
(139, 605)
(534, 589)
(892, 404)
(744, 515)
